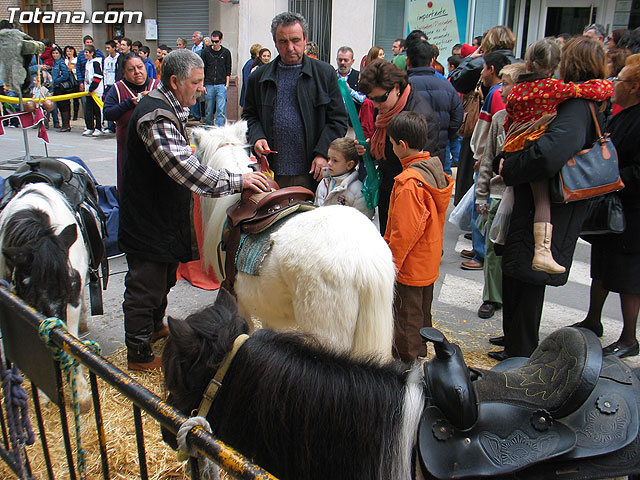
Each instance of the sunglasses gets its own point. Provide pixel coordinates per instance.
(380, 98)
(215, 41)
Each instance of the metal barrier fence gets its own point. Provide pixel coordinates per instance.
(24, 348)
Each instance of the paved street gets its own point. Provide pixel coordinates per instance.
(458, 292)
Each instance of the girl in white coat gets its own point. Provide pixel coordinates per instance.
(340, 184)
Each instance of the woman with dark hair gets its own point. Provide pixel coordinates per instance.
(70, 59)
(375, 53)
(615, 258)
(572, 130)
(60, 73)
(618, 38)
(388, 88)
(264, 57)
(123, 98)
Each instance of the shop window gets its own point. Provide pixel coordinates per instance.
(39, 30)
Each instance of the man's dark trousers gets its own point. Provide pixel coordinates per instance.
(147, 284)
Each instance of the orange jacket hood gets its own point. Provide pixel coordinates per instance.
(417, 212)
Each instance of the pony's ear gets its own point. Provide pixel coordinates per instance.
(68, 236)
(196, 134)
(240, 130)
(180, 333)
(18, 256)
(225, 299)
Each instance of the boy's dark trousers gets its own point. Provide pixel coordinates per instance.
(412, 311)
(92, 114)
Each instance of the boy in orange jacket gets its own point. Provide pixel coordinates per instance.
(417, 210)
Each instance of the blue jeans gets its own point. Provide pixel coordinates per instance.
(195, 110)
(217, 94)
(453, 153)
(477, 238)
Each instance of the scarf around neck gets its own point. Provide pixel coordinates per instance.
(379, 137)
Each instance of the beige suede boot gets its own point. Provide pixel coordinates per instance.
(542, 258)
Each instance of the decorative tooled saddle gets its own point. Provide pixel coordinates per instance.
(566, 411)
(254, 213)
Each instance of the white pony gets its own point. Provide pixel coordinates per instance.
(45, 259)
(329, 272)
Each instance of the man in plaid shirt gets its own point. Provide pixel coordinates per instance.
(159, 175)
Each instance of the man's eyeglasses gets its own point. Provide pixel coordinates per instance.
(617, 79)
(380, 98)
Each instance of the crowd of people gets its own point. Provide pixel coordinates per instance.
(507, 124)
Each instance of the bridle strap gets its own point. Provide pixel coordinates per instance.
(216, 382)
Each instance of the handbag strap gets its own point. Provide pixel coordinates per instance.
(595, 120)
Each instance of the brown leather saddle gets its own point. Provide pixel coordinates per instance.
(254, 213)
(565, 407)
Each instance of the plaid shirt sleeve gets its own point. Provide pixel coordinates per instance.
(166, 145)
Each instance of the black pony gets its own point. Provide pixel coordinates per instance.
(45, 259)
(303, 412)
(38, 260)
(294, 407)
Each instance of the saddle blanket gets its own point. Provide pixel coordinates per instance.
(254, 248)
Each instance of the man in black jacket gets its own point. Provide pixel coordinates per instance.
(217, 70)
(442, 97)
(293, 107)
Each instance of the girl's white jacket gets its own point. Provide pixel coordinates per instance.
(343, 189)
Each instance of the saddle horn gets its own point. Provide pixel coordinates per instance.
(447, 381)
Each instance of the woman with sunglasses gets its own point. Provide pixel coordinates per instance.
(388, 88)
(615, 258)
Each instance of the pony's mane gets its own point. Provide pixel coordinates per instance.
(38, 259)
(209, 141)
(220, 148)
(305, 401)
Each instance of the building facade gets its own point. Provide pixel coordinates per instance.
(359, 24)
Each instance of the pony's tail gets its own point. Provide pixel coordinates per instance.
(374, 326)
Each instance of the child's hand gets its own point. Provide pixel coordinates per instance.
(360, 149)
(483, 209)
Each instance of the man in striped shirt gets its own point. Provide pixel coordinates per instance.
(159, 175)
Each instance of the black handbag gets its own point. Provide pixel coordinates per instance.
(590, 172)
(605, 214)
(69, 85)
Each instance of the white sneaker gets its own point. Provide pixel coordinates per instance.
(87, 133)
(97, 133)
(106, 131)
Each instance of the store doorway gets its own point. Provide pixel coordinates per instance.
(563, 17)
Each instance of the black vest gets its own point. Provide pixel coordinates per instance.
(155, 210)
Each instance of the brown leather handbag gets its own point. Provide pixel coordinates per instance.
(590, 172)
(471, 103)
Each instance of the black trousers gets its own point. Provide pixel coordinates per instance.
(464, 176)
(145, 302)
(384, 200)
(92, 114)
(521, 313)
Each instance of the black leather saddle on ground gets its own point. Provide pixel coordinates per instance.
(565, 411)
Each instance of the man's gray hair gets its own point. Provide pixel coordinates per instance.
(179, 63)
(599, 29)
(198, 34)
(346, 49)
(286, 19)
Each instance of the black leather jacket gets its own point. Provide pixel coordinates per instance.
(319, 99)
(466, 76)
